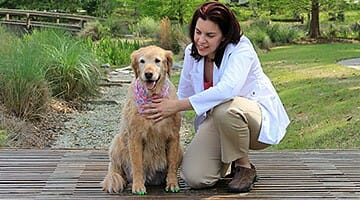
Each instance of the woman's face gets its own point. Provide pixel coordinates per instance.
(207, 37)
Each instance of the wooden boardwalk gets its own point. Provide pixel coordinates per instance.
(75, 174)
(38, 19)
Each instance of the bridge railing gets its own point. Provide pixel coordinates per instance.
(31, 19)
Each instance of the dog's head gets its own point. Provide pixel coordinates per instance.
(152, 65)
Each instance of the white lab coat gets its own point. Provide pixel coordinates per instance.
(240, 74)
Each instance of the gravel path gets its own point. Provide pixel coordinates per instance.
(95, 127)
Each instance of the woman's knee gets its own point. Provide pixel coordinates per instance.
(226, 115)
(196, 179)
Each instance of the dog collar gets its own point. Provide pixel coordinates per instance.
(141, 95)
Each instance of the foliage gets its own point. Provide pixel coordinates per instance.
(146, 27)
(265, 35)
(172, 36)
(70, 67)
(165, 33)
(94, 30)
(102, 8)
(284, 34)
(259, 38)
(24, 88)
(113, 51)
(43, 64)
(118, 25)
(5, 45)
(99, 8)
(177, 11)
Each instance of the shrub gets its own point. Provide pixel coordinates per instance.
(112, 51)
(265, 34)
(94, 30)
(172, 36)
(356, 29)
(283, 34)
(146, 27)
(259, 38)
(24, 89)
(165, 33)
(70, 68)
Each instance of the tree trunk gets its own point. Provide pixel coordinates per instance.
(314, 31)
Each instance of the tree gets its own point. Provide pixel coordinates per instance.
(176, 10)
(314, 30)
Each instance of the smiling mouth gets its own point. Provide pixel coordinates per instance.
(151, 84)
(201, 47)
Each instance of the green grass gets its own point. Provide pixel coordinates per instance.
(322, 98)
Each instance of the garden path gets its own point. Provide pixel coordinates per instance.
(352, 63)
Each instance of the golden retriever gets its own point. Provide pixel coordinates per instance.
(145, 152)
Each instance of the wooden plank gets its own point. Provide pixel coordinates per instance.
(76, 174)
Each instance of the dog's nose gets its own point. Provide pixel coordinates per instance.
(148, 75)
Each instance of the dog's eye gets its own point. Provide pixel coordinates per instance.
(157, 60)
(142, 61)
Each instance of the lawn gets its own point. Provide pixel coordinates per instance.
(322, 98)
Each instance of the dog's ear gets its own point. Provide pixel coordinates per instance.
(134, 62)
(169, 61)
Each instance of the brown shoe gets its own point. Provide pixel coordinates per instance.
(243, 179)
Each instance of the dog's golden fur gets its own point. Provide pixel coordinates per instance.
(145, 152)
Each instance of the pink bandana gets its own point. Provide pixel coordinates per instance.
(141, 96)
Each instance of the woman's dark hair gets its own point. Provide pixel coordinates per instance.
(225, 19)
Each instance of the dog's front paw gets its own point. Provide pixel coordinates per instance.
(138, 189)
(113, 183)
(172, 187)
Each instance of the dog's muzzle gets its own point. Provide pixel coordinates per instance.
(150, 83)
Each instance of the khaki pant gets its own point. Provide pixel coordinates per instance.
(227, 134)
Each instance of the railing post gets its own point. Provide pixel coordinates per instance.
(28, 23)
(7, 17)
(57, 19)
(82, 23)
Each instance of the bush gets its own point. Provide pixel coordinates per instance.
(172, 36)
(165, 33)
(283, 34)
(71, 68)
(265, 34)
(334, 31)
(259, 38)
(112, 51)
(146, 27)
(94, 30)
(43, 64)
(356, 28)
(24, 89)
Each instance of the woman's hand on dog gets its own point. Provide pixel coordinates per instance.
(159, 109)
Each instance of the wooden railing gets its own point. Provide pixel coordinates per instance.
(300, 19)
(34, 19)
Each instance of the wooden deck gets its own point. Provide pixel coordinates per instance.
(75, 174)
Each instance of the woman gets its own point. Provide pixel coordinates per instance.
(236, 105)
